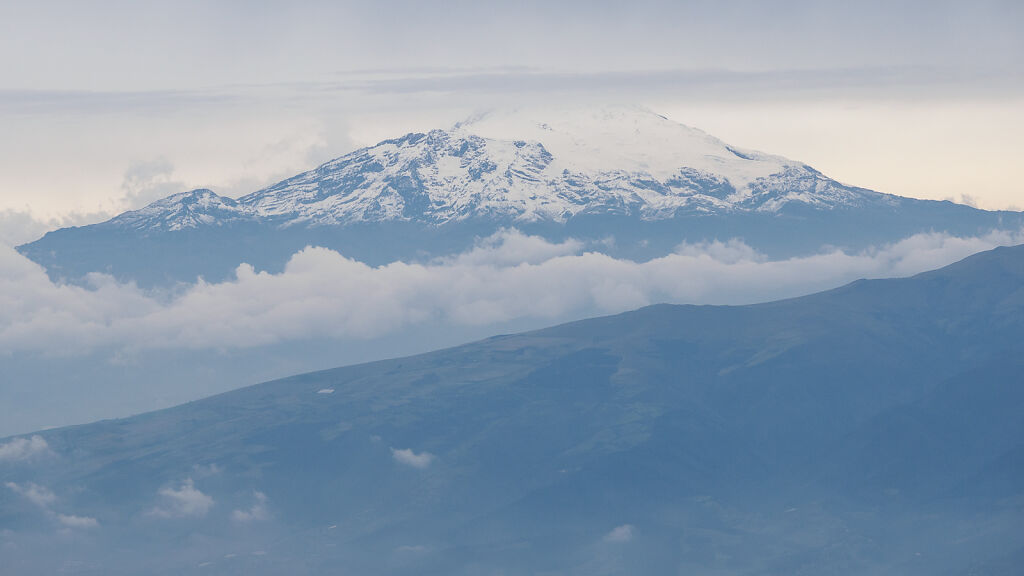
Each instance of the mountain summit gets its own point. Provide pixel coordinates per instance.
(528, 166)
(594, 173)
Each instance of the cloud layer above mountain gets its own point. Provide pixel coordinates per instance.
(202, 43)
(508, 277)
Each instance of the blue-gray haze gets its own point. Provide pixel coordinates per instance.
(871, 429)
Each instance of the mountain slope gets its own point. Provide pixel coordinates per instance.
(593, 174)
(872, 429)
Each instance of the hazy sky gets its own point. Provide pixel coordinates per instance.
(108, 105)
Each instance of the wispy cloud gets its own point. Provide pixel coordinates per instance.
(147, 181)
(23, 449)
(206, 470)
(620, 534)
(112, 101)
(39, 495)
(699, 84)
(72, 521)
(258, 510)
(409, 458)
(20, 226)
(184, 501)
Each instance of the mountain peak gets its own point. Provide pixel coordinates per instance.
(202, 196)
(183, 210)
(548, 164)
(523, 165)
(624, 138)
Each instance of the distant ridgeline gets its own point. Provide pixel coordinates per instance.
(872, 429)
(625, 181)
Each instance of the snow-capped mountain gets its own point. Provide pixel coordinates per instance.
(522, 168)
(623, 174)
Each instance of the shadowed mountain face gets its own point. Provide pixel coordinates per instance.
(593, 174)
(872, 429)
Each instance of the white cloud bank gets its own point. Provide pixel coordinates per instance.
(23, 449)
(409, 458)
(183, 501)
(511, 276)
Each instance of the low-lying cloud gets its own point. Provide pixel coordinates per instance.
(183, 501)
(44, 498)
(508, 277)
(23, 449)
(19, 226)
(409, 458)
